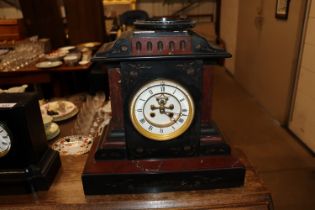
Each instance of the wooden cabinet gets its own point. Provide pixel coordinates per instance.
(131, 3)
(85, 21)
(43, 18)
(11, 29)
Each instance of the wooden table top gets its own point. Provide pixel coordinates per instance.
(66, 192)
(32, 69)
(32, 75)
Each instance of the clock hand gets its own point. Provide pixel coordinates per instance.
(153, 107)
(162, 106)
(171, 107)
(171, 116)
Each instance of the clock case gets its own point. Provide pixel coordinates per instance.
(124, 161)
(30, 165)
(136, 76)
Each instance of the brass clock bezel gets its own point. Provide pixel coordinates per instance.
(5, 127)
(163, 137)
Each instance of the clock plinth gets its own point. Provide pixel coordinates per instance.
(35, 177)
(115, 174)
(161, 137)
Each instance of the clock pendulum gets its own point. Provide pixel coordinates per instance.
(161, 134)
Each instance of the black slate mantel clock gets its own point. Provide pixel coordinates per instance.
(27, 164)
(161, 137)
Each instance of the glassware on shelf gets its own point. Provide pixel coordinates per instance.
(21, 54)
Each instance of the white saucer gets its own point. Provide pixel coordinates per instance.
(66, 48)
(73, 145)
(52, 131)
(83, 62)
(48, 64)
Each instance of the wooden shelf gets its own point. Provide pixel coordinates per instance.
(132, 3)
(11, 29)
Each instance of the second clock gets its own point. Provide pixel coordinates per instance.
(162, 108)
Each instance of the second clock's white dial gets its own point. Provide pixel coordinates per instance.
(5, 140)
(162, 110)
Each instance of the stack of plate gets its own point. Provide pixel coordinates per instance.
(54, 112)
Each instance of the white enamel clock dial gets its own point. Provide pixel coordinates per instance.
(162, 110)
(5, 141)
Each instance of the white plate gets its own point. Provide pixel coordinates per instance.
(66, 48)
(48, 64)
(89, 44)
(56, 55)
(59, 110)
(4, 51)
(52, 131)
(73, 145)
(83, 62)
